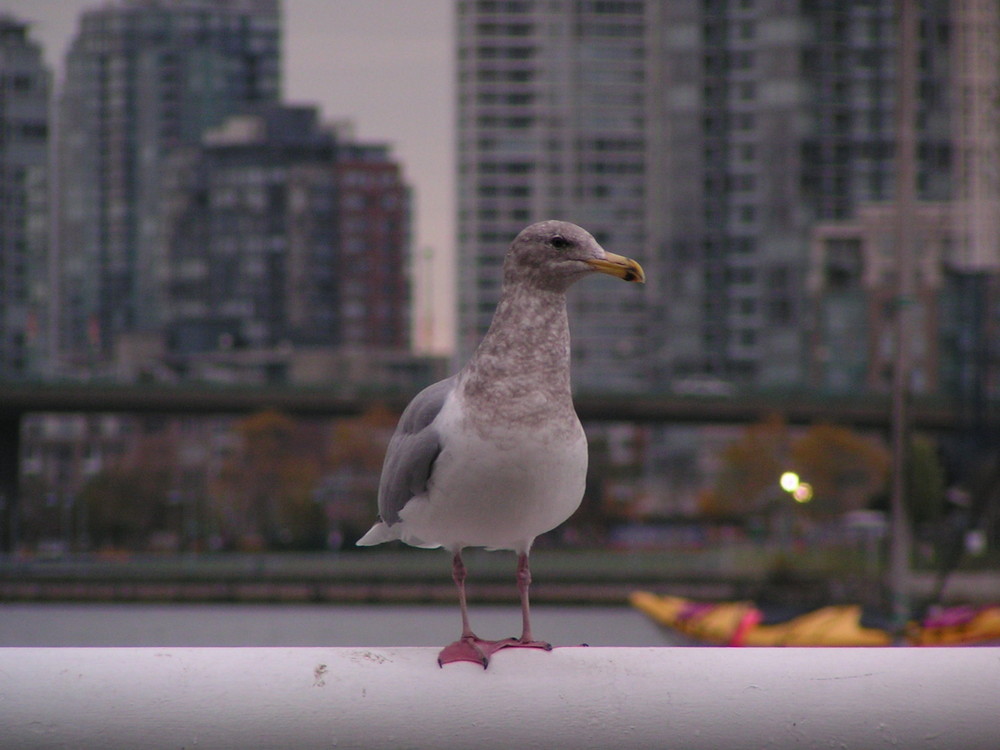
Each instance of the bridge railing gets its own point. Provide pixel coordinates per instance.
(573, 697)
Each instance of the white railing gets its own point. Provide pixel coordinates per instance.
(572, 697)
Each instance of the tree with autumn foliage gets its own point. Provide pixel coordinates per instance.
(288, 482)
(265, 494)
(844, 468)
(356, 451)
(127, 502)
(750, 469)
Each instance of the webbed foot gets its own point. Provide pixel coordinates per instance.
(470, 648)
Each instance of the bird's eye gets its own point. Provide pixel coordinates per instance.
(559, 242)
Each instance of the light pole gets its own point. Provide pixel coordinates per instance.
(799, 491)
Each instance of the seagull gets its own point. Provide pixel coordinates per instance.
(495, 455)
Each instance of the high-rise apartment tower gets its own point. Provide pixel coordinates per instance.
(24, 236)
(552, 125)
(706, 137)
(142, 78)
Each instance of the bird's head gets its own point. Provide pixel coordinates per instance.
(554, 254)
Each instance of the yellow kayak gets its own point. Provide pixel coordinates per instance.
(740, 623)
(957, 626)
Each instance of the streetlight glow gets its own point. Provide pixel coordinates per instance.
(803, 493)
(789, 481)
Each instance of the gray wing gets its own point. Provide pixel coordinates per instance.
(412, 450)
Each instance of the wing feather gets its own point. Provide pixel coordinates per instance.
(412, 449)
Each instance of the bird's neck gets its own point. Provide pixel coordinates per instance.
(528, 338)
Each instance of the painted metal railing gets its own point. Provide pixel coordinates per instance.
(572, 697)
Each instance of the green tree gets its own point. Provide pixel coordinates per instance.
(925, 484)
(925, 481)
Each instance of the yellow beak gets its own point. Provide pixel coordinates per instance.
(620, 266)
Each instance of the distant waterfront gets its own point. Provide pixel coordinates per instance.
(803, 578)
(260, 625)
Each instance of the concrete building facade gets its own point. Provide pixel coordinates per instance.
(25, 131)
(281, 235)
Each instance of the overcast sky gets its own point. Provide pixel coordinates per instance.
(384, 64)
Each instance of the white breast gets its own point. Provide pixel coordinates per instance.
(500, 489)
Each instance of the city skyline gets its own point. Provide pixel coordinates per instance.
(762, 160)
(407, 55)
(756, 158)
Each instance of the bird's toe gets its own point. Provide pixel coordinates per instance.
(519, 643)
(471, 648)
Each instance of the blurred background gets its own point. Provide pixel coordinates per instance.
(236, 236)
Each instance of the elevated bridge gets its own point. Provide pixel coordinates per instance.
(800, 407)
(19, 399)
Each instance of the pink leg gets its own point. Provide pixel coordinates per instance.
(458, 576)
(469, 647)
(523, 584)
